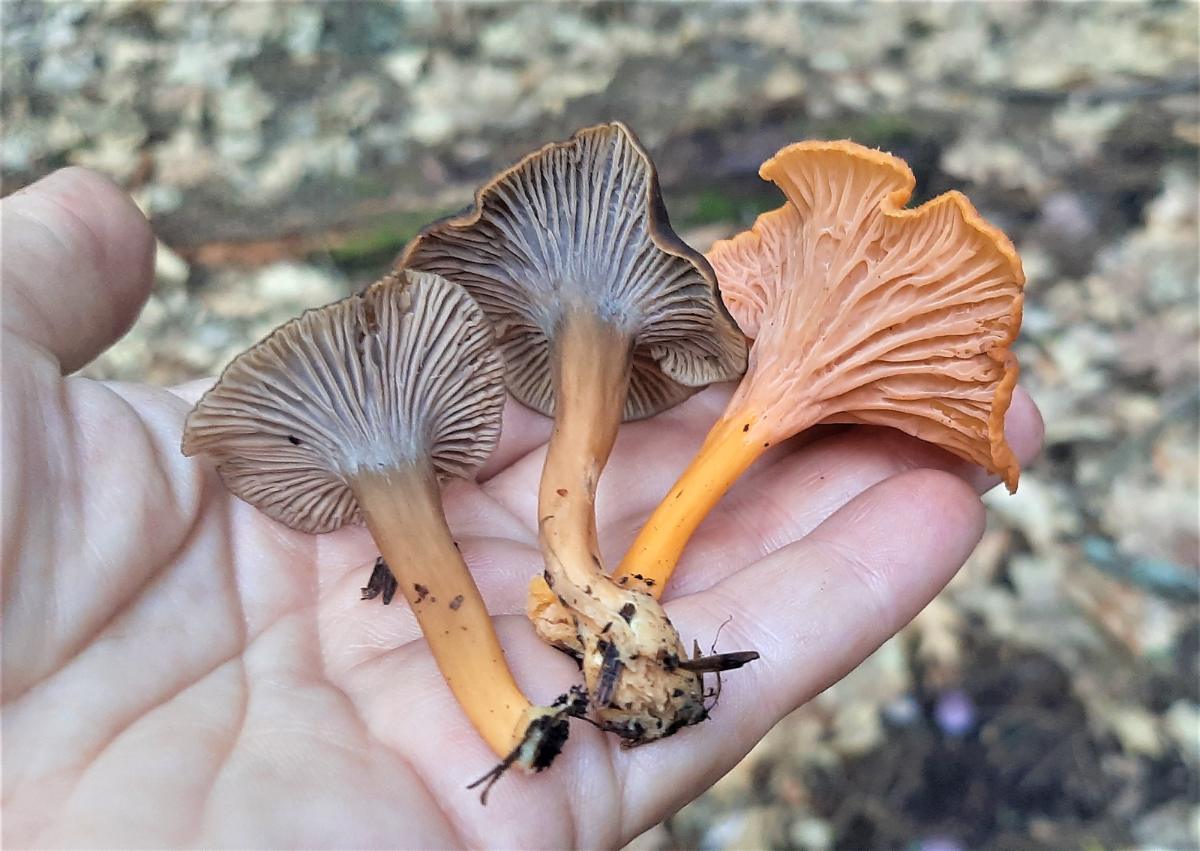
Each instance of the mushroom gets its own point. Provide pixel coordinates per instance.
(860, 311)
(602, 315)
(355, 412)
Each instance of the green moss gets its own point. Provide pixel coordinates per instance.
(712, 206)
(380, 241)
(720, 204)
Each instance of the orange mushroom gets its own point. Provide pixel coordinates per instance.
(860, 311)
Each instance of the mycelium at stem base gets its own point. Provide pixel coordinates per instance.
(628, 649)
(402, 508)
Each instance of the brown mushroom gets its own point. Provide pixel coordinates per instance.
(354, 413)
(861, 311)
(603, 315)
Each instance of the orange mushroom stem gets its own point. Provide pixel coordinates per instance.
(728, 450)
(403, 509)
(630, 652)
(860, 311)
(591, 372)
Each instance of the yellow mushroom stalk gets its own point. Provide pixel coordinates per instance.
(355, 413)
(628, 648)
(402, 508)
(728, 451)
(860, 311)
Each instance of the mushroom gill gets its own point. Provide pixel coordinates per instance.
(860, 311)
(603, 315)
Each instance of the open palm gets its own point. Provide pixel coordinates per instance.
(178, 669)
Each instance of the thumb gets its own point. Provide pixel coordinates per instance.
(76, 264)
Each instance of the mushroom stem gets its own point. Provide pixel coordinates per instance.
(627, 647)
(592, 365)
(731, 446)
(402, 508)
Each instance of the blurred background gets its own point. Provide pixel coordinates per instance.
(1049, 698)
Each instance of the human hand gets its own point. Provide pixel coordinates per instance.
(179, 669)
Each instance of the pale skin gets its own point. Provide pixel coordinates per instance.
(180, 670)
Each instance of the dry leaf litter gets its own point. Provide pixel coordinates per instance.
(1049, 698)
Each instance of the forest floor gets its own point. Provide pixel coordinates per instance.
(1049, 698)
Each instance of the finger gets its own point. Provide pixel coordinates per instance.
(1024, 430)
(647, 461)
(813, 610)
(784, 501)
(649, 455)
(191, 391)
(78, 264)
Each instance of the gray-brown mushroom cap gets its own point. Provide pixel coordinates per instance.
(403, 373)
(580, 225)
